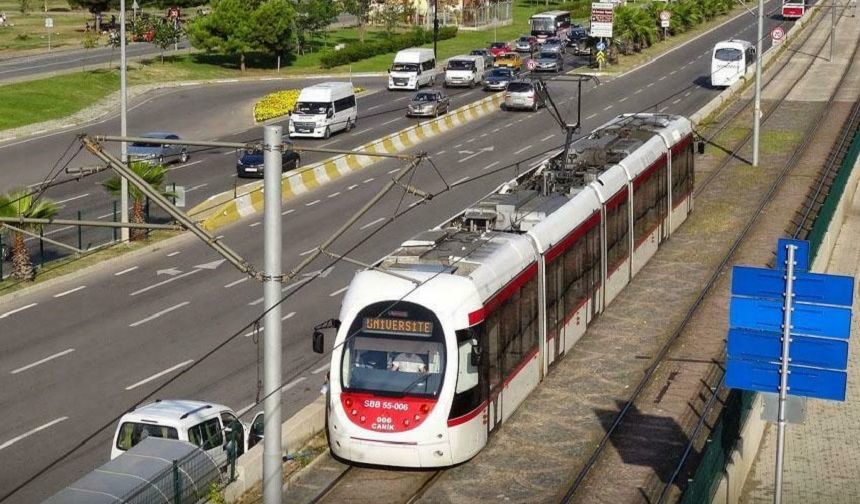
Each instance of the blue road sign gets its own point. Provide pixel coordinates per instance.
(801, 254)
(802, 381)
(600, 46)
(766, 346)
(810, 319)
(808, 287)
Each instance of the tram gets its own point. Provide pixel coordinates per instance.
(440, 342)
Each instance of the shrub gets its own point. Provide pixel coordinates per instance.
(280, 103)
(358, 51)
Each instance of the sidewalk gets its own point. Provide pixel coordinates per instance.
(822, 456)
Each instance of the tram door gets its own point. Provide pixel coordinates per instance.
(492, 371)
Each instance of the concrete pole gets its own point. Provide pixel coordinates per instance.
(123, 122)
(273, 475)
(757, 108)
(788, 307)
(832, 28)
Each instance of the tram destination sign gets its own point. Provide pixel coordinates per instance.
(601, 19)
(398, 326)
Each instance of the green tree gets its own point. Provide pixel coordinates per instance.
(95, 7)
(274, 24)
(228, 30)
(361, 10)
(17, 204)
(312, 19)
(25, 7)
(154, 175)
(389, 16)
(166, 34)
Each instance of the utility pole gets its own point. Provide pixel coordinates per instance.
(123, 122)
(832, 28)
(273, 475)
(757, 108)
(435, 26)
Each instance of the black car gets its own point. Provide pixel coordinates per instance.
(251, 162)
(498, 78)
(577, 39)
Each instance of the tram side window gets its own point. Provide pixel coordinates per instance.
(552, 289)
(682, 173)
(467, 396)
(511, 333)
(529, 314)
(649, 202)
(616, 235)
(594, 256)
(574, 281)
(493, 354)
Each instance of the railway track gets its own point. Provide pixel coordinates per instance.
(360, 485)
(800, 226)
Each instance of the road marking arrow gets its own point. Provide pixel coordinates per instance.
(210, 265)
(169, 271)
(480, 151)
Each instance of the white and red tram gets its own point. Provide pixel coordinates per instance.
(793, 9)
(445, 337)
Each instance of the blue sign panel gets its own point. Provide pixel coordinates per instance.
(809, 319)
(804, 350)
(808, 287)
(801, 255)
(802, 381)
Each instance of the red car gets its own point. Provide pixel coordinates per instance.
(499, 48)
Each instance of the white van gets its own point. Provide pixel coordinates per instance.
(464, 70)
(200, 423)
(323, 109)
(730, 61)
(412, 68)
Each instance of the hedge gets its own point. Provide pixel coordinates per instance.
(358, 51)
(280, 103)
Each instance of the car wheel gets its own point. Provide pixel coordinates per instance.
(183, 156)
(535, 106)
(327, 133)
(161, 160)
(349, 124)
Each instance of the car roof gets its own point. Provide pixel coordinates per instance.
(179, 413)
(158, 134)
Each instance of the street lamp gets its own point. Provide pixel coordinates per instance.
(123, 120)
(435, 25)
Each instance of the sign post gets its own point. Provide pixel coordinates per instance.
(601, 19)
(788, 333)
(777, 35)
(665, 22)
(49, 25)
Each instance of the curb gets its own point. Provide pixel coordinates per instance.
(223, 209)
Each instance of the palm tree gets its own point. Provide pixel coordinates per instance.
(154, 175)
(21, 203)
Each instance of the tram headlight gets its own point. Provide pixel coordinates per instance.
(425, 408)
(406, 422)
(354, 412)
(362, 418)
(348, 403)
(417, 418)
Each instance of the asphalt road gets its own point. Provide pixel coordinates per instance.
(77, 355)
(41, 65)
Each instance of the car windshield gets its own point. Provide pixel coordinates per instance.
(548, 55)
(498, 45)
(424, 97)
(253, 152)
(728, 54)
(520, 87)
(478, 52)
(312, 107)
(146, 144)
(404, 67)
(461, 65)
(524, 39)
(131, 433)
(501, 72)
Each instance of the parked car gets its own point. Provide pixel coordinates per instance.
(250, 164)
(484, 53)
(509, 60)
(525, 94)
(499, 48)
(498, 78)
(549, 61)
(158, 153)
(200, 423)
(553, 44)
(428, 104)
(577, 40)
(526, 43)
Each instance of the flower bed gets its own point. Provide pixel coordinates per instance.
(280, 103)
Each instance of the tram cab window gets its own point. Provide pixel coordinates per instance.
(467, 395)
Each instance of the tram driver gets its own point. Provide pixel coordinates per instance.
(408, 362)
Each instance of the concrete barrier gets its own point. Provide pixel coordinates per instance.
(228, 207)
(295, 432)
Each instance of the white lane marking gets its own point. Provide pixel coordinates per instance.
(105, 215)
(16, 310)
(687, 94)
(375, 106)
(285, 212)
(255, 224)
(415, 203)
(123, 272)
(496, 130)
(159, 374)
(353, 186)
(320, 369)
(339, 291)
(237, 282)
(494, 163)
(544, 139)
(393, 170)
(245, 409)
(484, 134)
(293, 383)
(527, 147)
(174, 253)
(328, 143)
(367, 181)
(198, 186)
(471, 140)
(460, 181)
(637, 91)
(650, 84)
(592, 116)
(42, 361)
(441, 152)
(73, 198)
(262, 328)
(662, 109)
(676, 101)
(159, 284)
(508, 125)
(312, 203)
(159, 314)
(66, 293)
(14, 440)
(185, 165)
(288, 316)
(673, 72)
(391, 121)
(661, 78)
(308, 252)
(371, 224)
(334, 195)
(365, 130)
(401, 99)
(458, 146)
(607, 107)
(623, 99)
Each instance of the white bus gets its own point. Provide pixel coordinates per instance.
(730, 61)
(412, 68)
(550, 24)
(323, 109)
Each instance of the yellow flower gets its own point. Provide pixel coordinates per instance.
(281, 103)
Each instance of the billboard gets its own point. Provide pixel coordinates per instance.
(601, 19)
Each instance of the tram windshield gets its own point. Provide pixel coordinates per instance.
(394, 356)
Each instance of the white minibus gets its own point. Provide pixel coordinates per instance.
(730, 60)
(464, 70)
(412, 68)
(323, 109)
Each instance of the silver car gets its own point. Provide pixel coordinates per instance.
(157, 152)
(549, 61)
(524, 94)
(554, 45)
(428, 104)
